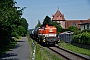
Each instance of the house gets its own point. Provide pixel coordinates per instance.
(59, 18)
(85, 26)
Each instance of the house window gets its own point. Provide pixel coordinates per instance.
(88, 26)
(84, 26)
(58, 16)
(74, 24)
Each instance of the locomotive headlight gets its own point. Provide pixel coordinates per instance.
(44, 40)
(59, 40)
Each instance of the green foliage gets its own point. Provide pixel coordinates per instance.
(86, 30)
(21, 30)
(47, 20)
(24, 24)
(79, 31)
(73, 28)
(83, 38)
(6, 11)
(11, 23)
(38, 25)
(57, 25)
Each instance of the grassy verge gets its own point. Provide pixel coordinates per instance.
(40, 54)
(74, 48)
(9, 46)
(43, 54)
(31, 48)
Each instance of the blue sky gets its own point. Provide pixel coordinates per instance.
(39, 9)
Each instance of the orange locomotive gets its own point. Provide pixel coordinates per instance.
(46, 34)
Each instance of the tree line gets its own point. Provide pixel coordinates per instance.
(11, 22)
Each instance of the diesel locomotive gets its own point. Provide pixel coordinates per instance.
(45, 34)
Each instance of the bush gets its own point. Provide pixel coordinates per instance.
(73, 28)
(86, 30)
(83, 38)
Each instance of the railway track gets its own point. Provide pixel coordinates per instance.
(67, 55)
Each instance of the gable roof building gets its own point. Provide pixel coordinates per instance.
(59, 18)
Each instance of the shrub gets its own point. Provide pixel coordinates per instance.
(86, 30)
(73, 28)
(83, 38)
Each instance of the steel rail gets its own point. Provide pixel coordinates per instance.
(67, 54)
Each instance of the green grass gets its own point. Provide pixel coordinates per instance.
(31, 48)
(75, 48)
(43, 54)
(40, 54)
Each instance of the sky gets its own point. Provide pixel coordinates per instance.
(39, 9)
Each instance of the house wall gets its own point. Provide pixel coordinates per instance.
(85, 26)
(82, 27)
(62, 23)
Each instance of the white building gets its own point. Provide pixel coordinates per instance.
(85, 26)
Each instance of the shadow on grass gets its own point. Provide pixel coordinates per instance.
(9, 56)
(16, 46)
(19, 41)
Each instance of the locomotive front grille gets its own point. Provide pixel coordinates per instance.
(51, 39)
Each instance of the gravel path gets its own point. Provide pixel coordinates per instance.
(20, 52)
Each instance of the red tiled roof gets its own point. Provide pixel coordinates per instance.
(58, 16)
(87, 22)
(69, 23)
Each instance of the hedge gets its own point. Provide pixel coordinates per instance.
(82, 38)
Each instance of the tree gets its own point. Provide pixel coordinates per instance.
(57, 25)
(23, 22)
(9, 20)
(23, 25)
(21, 31)
(11, 23)
(73, 28)
(47, 20)
(38, 25)
(7, 16)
